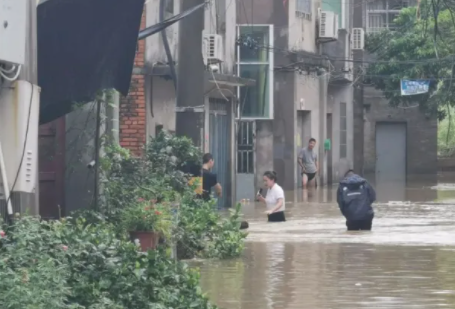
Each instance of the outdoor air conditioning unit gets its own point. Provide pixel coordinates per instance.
(328, 26)
(358, 39)
(213, 48)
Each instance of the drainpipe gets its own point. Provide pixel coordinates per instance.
(323, 81)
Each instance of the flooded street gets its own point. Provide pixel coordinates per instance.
(310, 261)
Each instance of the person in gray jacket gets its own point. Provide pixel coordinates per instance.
(355, 197)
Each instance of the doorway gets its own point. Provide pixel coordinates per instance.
(391, 161)
(303, 135)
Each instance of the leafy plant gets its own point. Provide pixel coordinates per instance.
(71, 264)
(198, 229)
(146, 216)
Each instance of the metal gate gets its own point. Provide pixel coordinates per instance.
(245, 159)
(219, 144)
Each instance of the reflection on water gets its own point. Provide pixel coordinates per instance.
(310, 261)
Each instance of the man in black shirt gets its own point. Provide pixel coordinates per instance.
(209, 179)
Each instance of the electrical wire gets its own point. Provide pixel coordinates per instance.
(24, 146)
(9, 70)
(168, 49)
(11, 79)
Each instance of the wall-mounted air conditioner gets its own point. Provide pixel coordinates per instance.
(213, 48)
(358, 39)
(328, 26)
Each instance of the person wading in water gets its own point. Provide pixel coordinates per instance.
(210, 180)
(274, 199)
(355, 197)
(308, 161)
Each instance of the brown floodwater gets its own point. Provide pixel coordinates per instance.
(310, 261)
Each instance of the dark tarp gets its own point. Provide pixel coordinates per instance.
(168, 22)
(84, 46)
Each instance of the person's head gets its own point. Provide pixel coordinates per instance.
(349, 173)
(269, 179)
(207, 160)
(311, 143)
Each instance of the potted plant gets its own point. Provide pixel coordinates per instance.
(146, 222)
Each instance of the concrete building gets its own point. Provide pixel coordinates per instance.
(299, 93)
(152, 103)
(398, 144)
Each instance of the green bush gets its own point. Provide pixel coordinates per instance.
(56, 265)
(203, 232)
(199, 230)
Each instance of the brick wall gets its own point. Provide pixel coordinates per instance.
(132, 114)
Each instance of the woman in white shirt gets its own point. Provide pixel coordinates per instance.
(274, 199)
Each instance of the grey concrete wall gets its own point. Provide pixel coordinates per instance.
(285, 127)
(154, 48)
(264, 151)
(421, 134)
(161, 109)
(302, 32)
(341, 93)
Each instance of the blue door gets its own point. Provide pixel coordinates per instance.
(219, 145)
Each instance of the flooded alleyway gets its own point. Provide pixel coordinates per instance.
(310, 261)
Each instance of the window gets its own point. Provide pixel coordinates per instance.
(382, 14)
(255, 61)
(303, 9)
(343, 131)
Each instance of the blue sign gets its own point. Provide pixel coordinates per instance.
(413, 87)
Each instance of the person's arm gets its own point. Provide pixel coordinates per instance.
(218, 190)
(278, 205)
(340, 200)
(371, 193)
(217, 186)
(316, 162)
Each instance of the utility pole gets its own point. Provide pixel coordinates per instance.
(190, 75)
(358, 105)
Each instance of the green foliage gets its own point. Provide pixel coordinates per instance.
(203, 232)
(72, 264)
(421, 47)
(198, 228)
(446, 136)
(146, 216)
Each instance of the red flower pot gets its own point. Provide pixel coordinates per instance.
(148, 240)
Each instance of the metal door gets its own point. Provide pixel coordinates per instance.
(245, 160)
(219, 144)
(391, 161)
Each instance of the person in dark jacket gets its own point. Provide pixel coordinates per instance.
(355, 197)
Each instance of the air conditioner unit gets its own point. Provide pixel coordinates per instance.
(213, 48)
(358, 39)
(328, 26)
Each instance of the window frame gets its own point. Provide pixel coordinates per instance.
(344, 118)
(270, 63)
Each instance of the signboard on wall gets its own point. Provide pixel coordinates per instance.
(414, 87)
